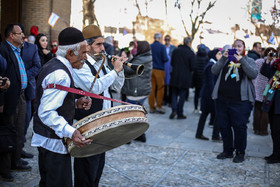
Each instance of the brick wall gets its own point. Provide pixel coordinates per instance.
(63, 9)
(10, 13)
(35, 12)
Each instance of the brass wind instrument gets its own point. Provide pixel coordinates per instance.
(139, 69)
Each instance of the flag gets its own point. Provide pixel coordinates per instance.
(271, 39)
(124, 32)
(53, 19)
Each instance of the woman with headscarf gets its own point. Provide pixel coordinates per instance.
(42, 43)
(207, 105)
(138, 88)
(234, 94)
(54, 47)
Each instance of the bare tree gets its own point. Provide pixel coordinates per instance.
(196, 17)
(89, 16)
(165, 4)
(138, 7)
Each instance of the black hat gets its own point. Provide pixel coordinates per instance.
(70, 36)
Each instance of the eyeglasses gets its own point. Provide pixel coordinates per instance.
(53, 45)
(167, 39)
(20, 33)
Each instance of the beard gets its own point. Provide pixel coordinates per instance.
(97, 57)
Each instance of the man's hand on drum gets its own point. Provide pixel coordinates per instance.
(118, 63)
(79, 140)
(84, 103)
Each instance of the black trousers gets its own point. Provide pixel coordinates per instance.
(261, 119)
(88, 170)
(196, 97)
(201, 124)
(55, 169)
(8, 160)
(167, 94)
(274, 120)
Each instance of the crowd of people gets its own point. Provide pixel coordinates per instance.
(229, 84)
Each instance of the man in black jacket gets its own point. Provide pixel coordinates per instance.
(182, 62)
(255, 53)
(31, 59)
(14, 106)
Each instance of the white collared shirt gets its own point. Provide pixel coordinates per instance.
(83, 79)
(51, 100)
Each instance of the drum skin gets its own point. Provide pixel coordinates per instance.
(109, 129)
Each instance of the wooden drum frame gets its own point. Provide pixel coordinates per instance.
(109, 129)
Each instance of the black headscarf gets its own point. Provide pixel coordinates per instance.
(212, 54)
(143, 46)
(37, 40)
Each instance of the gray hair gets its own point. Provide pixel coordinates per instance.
(187, 40)
(157, 36)
(62, 49)
(90, 40)
(109, 39)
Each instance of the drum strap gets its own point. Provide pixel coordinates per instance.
(81, 92)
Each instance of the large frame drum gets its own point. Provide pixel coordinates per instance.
(109, 129)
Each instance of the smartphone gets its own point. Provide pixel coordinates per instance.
(231, 53)
(3, 81)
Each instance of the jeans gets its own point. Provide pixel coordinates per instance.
(177, 105)
(232, 118)
(135, 102)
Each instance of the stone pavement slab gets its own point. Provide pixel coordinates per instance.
(145, 165)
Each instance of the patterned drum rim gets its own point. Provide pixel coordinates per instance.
(111, 125)
(107, 112)
(123, 123)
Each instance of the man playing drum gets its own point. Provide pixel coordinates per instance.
(88, 170)
(55, 110)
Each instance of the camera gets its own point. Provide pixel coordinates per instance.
(272, 54)
(3, 81)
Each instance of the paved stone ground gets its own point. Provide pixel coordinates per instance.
(173, 157)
